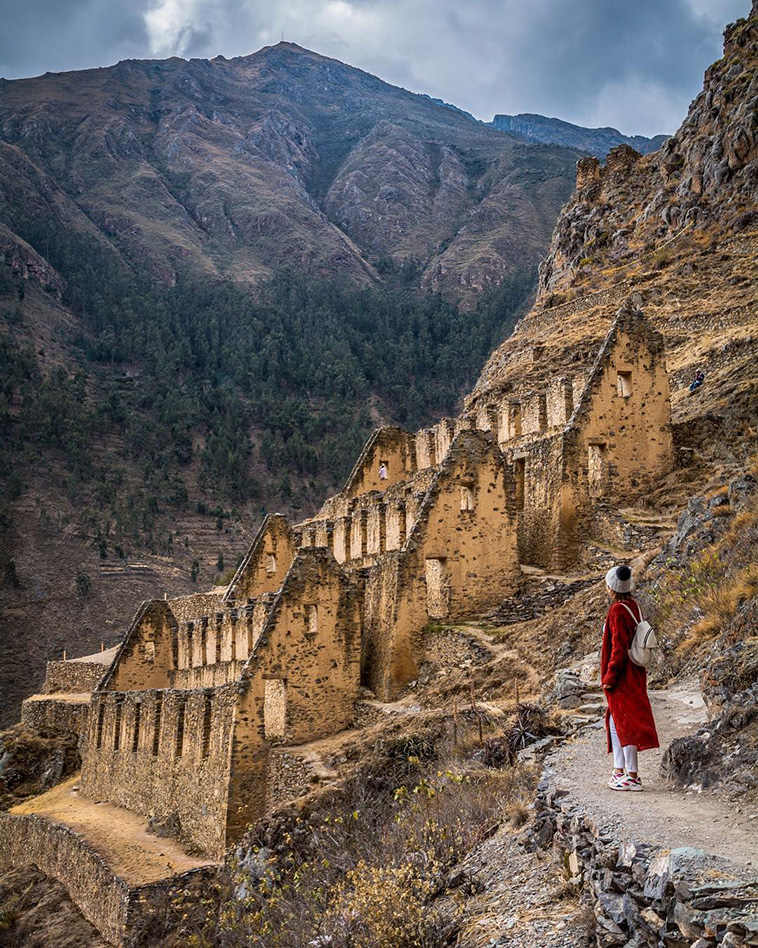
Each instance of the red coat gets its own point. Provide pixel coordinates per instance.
(627, 701)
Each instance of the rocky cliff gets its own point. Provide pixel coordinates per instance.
(705, 176)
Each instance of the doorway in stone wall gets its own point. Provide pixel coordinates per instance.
(437, 588)
(275, 708)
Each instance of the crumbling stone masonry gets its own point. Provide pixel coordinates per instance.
(188, 728)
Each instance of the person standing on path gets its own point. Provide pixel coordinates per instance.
(629, 719)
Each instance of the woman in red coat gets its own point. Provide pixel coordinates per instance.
(629, 717)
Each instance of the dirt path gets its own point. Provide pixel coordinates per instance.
(661, 815)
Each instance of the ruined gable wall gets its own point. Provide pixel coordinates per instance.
(461, 557)
(144, 658)
(302, 681)
(635, 427)
(394, 446)
(164, 752)
(312, 640)
(264, 567)
(471, 531)
(620, 440)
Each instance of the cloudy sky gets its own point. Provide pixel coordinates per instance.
(634, 65)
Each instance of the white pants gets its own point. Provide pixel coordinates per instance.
(624, 758)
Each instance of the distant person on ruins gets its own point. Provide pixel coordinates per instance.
(698, 380)
(382, 471)
(629, 718)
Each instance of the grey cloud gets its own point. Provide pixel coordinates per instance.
(594, 62)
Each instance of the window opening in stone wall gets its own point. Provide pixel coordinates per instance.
(180, 715)
(625, 384)
(204, 641)
(219, 621)
(596, 468)
(467, 497)
(137, 720)
(311, 619)
(520, 483)
(271, 564)
(174, 647)
(157, 724)
(437, 589)
(383, 471)
(117, 728)
(207, 718)
(275, 707)
(100, 722)
(190, 644)
(364, 532)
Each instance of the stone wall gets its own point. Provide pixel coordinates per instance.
(459, 558)
(61, 853)
(123, 915)
(620, 440)
(289, 776)
(311, 646)
(643, 895)
(42, 713)
(163, 753)
(73, 677)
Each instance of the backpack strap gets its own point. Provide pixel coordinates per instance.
(636, 620)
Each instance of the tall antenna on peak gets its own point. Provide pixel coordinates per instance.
(282, 35)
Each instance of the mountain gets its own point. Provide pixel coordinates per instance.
(214, 281)
(285, 157)
(553, 131)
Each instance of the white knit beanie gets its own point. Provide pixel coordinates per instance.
(619, 579)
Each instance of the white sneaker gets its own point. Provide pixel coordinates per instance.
(618, 782)
(634, 783)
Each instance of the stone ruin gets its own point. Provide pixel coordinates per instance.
(186, 726)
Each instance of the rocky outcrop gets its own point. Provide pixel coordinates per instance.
(704, 174)
(25, 263)
(553, 131)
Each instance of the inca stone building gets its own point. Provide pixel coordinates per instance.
(185, 724)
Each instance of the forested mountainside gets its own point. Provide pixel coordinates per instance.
(218, 278)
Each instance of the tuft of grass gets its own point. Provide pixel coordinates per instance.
(697, 603)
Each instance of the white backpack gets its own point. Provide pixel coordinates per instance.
(644, 643)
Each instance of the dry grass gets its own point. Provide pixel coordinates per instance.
(695, 604)
(364, 870)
